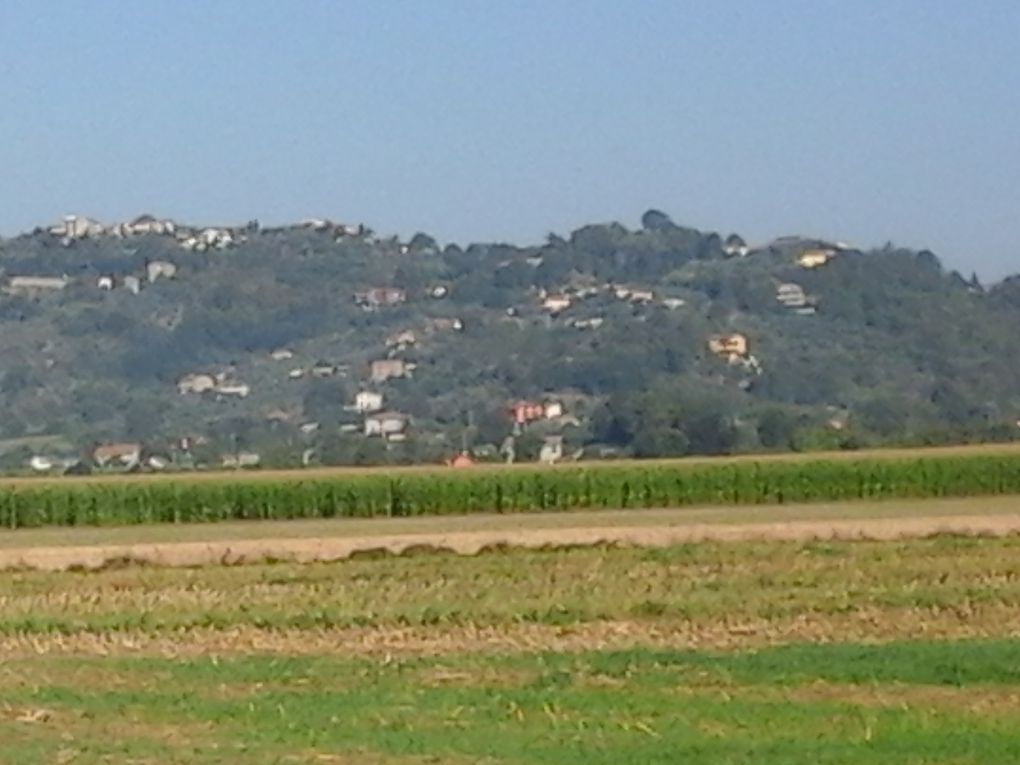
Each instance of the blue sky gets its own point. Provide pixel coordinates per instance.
(865, 121)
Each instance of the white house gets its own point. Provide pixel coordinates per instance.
(386, 424)
(368, 401)
(791, 295)
(133, 284)
(551, 451)
(241, 390)
(41, 464)
(105, 283)
(147, 224)
(556, 303)
(196, 383)
(160, 268)
(242, 460)
(552, 410)
(29, 284)
(124, 454)
(78, 227)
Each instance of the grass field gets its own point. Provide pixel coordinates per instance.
(771, 652)
(902, 703)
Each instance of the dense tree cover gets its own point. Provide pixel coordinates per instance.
(896, 351)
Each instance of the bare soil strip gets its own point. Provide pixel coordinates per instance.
(307, 550)
(229, 531)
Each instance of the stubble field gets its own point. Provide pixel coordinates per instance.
(766, 651)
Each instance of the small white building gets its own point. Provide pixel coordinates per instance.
(41, 464)
(791, 295)
(105, 283)
(157, 269)
(35, 284)
(367, 401)
(196, 383)
(242, 460)
(148, 224)
(282, 354)
(552, 410)
(402, 339)
(78, 227)
(133, 284)
(556, 303)
(241, 390)
(386, 424)
(551, 451)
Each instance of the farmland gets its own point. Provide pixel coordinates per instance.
(410, 493)
(777, 651)
(734, 611)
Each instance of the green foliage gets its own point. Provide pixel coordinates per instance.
(415, 493)
(908, 353)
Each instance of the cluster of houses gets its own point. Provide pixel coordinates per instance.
(193, 238)
(337, 230)
(376, 420)
(197, 239)
(556, 303)
(36, 285)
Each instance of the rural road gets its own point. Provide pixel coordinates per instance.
(469, 535)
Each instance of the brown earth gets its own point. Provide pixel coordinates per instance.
(305, 550)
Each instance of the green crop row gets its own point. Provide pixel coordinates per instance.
(629, 485)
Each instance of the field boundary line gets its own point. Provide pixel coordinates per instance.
(328, 549)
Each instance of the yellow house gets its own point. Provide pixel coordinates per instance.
(730, 346)
(815, 258)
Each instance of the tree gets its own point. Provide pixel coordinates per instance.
(656, 220)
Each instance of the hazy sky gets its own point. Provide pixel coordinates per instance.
(865, 121)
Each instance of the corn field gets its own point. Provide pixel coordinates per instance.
(445, 492)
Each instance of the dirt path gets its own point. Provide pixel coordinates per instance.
(471, 542)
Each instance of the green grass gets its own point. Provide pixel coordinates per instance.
(921, 702)
(445, 492)
(879, 653)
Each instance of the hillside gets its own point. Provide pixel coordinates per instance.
(204, 342)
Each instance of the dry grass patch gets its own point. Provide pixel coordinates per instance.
(865, 625)
(970, 700)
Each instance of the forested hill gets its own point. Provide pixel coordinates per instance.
(662, 340)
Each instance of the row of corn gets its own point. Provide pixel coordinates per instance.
(620, 485)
